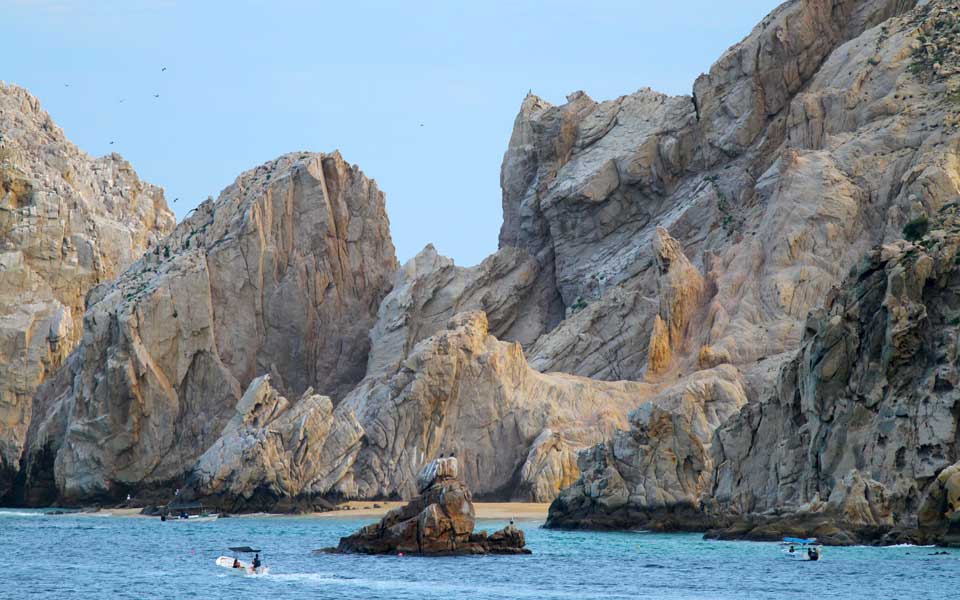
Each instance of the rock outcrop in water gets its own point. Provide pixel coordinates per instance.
(68, 222)
(282, 274)
(438, 522)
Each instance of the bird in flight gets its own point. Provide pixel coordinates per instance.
(175, 200)
(121, 100)
(421, 124)
(66, 85)
(111, 142)
(163, 69)
(156, 95)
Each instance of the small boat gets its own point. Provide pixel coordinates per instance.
(802, 548)
(187, 513)
(204, 518)
(242, 567)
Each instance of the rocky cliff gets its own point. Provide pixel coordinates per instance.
(659, 257)
(866, 416)
(844, 439)
(282, 274)
(68, 222)
(515, 430)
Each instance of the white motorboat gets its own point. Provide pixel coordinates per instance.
(205, 518)
(802, 548)
(242, 567)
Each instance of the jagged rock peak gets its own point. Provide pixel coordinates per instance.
(68, 222)
(282, 274)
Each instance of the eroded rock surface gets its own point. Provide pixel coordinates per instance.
(68, 221)
(272, 452)
(438, 522)
(282, 274)
(847, 143)
(654, 475)
(866, 415)
(516, 431)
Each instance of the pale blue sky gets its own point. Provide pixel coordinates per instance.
(247, 81)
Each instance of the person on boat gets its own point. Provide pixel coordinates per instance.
(813, 554)
(184, 515)
(236, 564)
(791, 549)
(256, 562)
(163, 516)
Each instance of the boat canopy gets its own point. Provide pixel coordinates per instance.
(802, 541)
(244, 549)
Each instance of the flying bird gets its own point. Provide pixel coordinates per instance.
(163, 69)
(175, 200)
(66, 85)
(111, 142)
(121, 100)
(421, 124)
(156, 95)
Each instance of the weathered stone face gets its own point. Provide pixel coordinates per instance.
(281, 275)
(68, 222)
(661, 466)
(835, 161)
(460, 391)
(866, 414)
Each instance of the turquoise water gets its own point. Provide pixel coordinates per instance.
(93, 556)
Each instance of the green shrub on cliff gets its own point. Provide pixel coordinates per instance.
(916, 229)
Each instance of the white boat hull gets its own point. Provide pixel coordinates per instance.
(194, 519)
(245, 568)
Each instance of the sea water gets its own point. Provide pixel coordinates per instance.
(88, 556)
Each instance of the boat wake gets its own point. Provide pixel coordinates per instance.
(331, 579)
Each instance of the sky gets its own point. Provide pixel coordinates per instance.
(246, 81)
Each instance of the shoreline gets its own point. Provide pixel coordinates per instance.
(521, 511)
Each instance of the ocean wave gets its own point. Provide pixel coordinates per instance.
(20, 513)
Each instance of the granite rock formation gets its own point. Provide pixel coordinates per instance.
(654, 475)
(282, 274)
(438, 522)
(829, 130)
(866, 417)
(659, 257)
(272, 452)
(859, 444)
(68, 222)
(939, 515)
(516, 431)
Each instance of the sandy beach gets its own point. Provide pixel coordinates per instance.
(375, 510)
(485, 510)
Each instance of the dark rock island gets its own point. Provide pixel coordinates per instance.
(438, 522)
